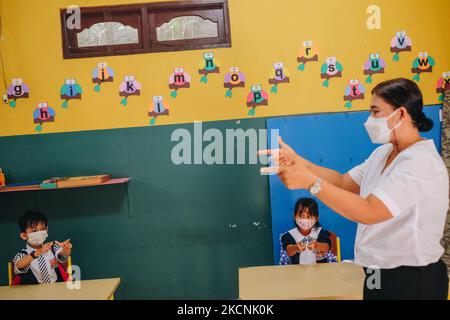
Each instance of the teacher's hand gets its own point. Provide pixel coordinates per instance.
(292, 169)
(285, 155)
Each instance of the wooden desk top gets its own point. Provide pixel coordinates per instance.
(320, 281)
(90, 290)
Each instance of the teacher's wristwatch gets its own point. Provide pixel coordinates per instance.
(316, 187)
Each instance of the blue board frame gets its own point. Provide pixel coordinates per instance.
(337, 141)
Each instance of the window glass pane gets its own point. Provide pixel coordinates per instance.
(107, 33)
(187, 27)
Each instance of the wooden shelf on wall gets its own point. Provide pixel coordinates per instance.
(37, 188)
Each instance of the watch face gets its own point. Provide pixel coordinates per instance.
(314, 189)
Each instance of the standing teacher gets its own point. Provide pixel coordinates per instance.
(399, 196)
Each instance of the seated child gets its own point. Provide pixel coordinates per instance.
(39, 262)
(307, 243)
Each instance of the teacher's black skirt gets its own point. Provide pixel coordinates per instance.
(407, 283)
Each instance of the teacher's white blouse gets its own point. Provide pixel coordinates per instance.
(415, 188)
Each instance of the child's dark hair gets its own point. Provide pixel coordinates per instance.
(310, 204)
(31, 219)
(405, 93)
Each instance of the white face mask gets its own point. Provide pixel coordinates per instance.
(37, 238)
(305, 224)
(378, 129)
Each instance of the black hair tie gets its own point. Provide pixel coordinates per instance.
(422, 117)
(424, 124)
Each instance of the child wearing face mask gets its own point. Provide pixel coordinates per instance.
(39, 262)
(307, 243)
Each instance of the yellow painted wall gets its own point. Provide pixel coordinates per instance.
(263, 31)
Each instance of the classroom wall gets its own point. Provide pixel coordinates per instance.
(191, 227)
(263, 32)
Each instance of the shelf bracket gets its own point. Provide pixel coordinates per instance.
(130, 208)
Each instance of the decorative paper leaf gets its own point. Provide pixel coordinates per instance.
(396, 57)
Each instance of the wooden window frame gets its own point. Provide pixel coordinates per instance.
(150, 16)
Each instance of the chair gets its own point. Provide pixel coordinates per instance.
(10, 273)
(335, 245)
(68, 267)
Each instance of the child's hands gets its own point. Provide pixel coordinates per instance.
(66, 247)
(65, 244)
(321, 247)
(301, 247)
(46, 247)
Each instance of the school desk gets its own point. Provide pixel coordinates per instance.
(90, 290)
(333, 281)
